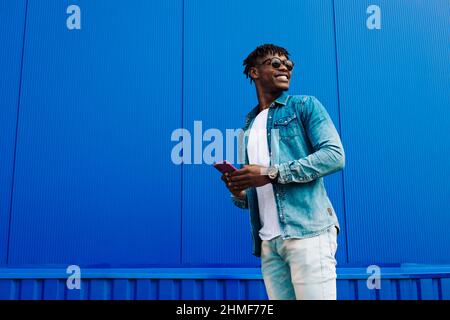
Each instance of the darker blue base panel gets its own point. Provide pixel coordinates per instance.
(406, 282)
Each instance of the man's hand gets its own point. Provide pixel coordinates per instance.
(240, 193)
(249, 176)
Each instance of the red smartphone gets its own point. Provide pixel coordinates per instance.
(224, 167)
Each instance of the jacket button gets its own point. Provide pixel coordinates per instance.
(330, 212)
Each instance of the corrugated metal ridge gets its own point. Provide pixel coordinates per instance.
(403, 272)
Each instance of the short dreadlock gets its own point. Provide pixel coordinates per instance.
(261, 52)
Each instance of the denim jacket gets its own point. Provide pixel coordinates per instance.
(306, 148)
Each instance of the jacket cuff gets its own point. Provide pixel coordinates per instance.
(284, 173)
(240, 203)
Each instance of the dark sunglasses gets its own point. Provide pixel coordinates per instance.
(276, 63)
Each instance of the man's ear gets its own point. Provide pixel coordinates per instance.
(254, 73)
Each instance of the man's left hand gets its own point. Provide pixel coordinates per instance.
(249, 176)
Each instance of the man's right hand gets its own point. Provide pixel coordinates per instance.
(235, 191)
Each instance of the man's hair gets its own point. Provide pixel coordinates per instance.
(261, 52)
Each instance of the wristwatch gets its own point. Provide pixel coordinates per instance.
(272, 172)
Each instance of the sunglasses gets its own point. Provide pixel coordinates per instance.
(276, 63)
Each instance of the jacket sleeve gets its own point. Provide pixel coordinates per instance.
(328, 156)
(240, 203)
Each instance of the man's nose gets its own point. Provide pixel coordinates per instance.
(283, 67)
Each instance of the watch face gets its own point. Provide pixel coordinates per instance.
(272, 172)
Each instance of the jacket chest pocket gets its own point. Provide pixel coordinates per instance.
(287, 126)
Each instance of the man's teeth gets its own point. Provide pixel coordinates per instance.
(282, 78)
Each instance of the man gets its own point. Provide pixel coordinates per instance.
(290, 145)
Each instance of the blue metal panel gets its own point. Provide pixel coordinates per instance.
(256, 290)
(363, 292)
(218, 36)
(31, 289)
(191, 290)
(394, 97)
(146, 289)
(408, 289)
(8, 289)
(54, 289)
(429, 289)
(419, 282)
(233, 290)
(389, 289)
(94, 181)
(100, 289)
(445, 289)
(79, 294)
(213, 290)
(169, 289)
(12, 20)
(346, 289)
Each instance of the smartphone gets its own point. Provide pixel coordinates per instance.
(224, 167)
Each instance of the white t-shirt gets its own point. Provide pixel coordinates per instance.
(258, 153)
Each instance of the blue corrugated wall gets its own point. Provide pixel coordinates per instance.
(86, 175)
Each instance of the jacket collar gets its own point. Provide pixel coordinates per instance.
(281, 100)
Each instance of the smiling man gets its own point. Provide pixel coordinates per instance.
(290, 145)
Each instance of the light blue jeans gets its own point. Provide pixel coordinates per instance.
(302, 269)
